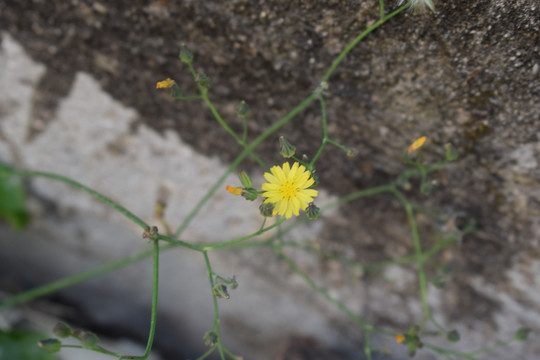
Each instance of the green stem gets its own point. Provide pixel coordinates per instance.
(359, 194)
(338, 145)
(154, 302)
(240, 239)
(98, 349)
(359, 38)
(207, 353)
(367, 344)
(217, 116)
(170, 240)
(80, 186)
(449, 352)
(244, 130)
(215, 326)
(418, 252)
(325, 131)
(72, 280)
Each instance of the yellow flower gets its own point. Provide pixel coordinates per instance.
(234, 190)
(417, 144)
(400, 338)
(165, 84)
(288, 189)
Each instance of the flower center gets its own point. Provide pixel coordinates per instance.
(288, 190)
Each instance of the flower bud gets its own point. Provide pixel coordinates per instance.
(234, 190)
(220, 291)
(417, 144)
(286, 149)
(233, 283)
(50, 345)
(88, 339)
(453, 336)
(250, 194)
(149, 232)
(165, 84)
(210, 338)
(313, 212)
(202, 80)
(186, 56)
(266, 209)
(176, 92)
(242, 109)
(245, 180)
(62, 330)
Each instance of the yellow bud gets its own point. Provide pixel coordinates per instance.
(417, 144)
(234, 190)
(165, 84)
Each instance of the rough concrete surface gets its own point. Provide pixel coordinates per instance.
(77, 97)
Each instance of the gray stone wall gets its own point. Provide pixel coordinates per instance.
(78, 98)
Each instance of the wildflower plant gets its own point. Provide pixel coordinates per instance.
(289, 188)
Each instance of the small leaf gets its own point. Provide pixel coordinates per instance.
(22, 345)
(12, 200)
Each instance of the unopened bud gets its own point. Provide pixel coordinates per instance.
(245, 180)
(286, 149)
(235, 190)
(417, 144)
(210, 338)
(242, 109)
(266, 209)
(453, 336)
(220, 291)
(88, 339)
(250, 194)
(186, 56)
(202, 80)
(165, 84)
(176, 92)
(62, 330)
(233, 283)
(313, 212)
(50, 345)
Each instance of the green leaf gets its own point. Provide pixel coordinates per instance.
(12, 199)
(522, 334)
(22, 345)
